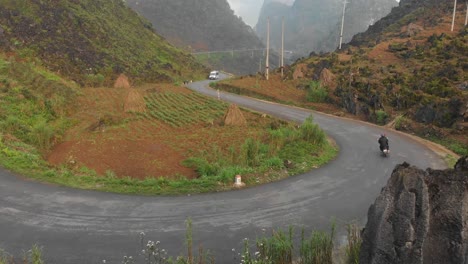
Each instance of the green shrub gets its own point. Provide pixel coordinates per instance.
(381, 117)
(401, 122)
(312, 133)
(94, 80)
(273, 162)
(316, 93)
(202, 166)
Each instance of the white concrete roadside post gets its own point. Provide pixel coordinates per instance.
(238, 182)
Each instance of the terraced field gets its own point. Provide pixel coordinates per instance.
(176, 124)
(178, 110)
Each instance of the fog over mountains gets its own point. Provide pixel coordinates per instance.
(202, 26)
(249, 10)
(314, 25)
(213, 25)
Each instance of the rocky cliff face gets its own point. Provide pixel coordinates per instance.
(420, 217)
(404, 8)
(315, 25)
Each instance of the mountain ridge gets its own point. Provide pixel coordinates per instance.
(81, 39)
(204, 26)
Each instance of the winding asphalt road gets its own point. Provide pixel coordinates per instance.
(76, 226)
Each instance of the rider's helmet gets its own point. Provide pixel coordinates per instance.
(383, 135)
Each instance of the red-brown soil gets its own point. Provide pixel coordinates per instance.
(107, 139)
(283, 91)
(134, 158)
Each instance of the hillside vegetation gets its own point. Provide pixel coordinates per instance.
(91, 42)
(409, 71)
(34, 103)
(65, 119)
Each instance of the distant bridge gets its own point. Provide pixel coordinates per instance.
(287, 53)
(229, 51)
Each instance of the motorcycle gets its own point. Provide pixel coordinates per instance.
(383, 144)
(385, 152)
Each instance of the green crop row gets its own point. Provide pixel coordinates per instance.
(177, 109)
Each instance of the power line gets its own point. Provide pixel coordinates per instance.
(228, 51)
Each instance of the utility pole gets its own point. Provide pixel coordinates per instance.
(466, 17)
(282, 49)
(342, 23)
(454, 13)
(267, 64)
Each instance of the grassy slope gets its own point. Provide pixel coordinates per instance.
(91, 41)
(44, 44)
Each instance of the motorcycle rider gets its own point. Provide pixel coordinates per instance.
(383, 142)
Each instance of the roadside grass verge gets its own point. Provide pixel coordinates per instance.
(278, 247)
(32, 256)
(454, 146)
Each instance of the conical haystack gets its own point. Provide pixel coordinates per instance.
(134, 102)
(122, 82)
(234, 117)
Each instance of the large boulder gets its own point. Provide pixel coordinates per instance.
(419, 217)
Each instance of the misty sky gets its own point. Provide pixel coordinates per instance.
(250, 9)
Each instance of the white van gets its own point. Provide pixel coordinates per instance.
(214, 75)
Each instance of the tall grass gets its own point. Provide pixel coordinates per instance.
(251, 153)
(32, 256)
(306, 145)
(42, 134)
(318, 248)
(36, 255)
(4, 257)
(279, 248)
(353, 248)
(189, 240)
(312, 132)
